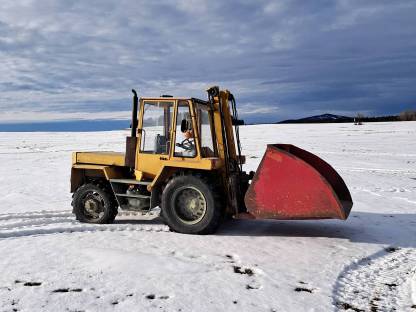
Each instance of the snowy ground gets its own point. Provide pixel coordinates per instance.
(50, 262)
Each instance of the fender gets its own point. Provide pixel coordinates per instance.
(80, 172)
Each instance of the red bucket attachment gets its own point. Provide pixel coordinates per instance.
(292, 183)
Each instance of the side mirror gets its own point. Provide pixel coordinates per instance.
(184, 125)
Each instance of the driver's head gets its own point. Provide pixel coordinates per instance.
(186, 128)
(188, 134)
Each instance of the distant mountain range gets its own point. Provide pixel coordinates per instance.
(330, 118)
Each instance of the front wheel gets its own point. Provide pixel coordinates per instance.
(190, 205)
(93, 204)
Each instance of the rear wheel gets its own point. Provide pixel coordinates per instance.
(191, 206)
(94, 204)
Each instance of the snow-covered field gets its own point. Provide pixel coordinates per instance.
(50, 262)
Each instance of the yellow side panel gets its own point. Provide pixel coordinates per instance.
(149, 164)
(191, 163)
(153, 165)
(171, 166)
(100, 158)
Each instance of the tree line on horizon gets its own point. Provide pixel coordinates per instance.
(408, 115)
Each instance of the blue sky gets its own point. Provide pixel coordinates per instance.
(64, 59)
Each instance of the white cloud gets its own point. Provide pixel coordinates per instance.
(194, 6)
(248, 109)
(274, 7)
(283, 41)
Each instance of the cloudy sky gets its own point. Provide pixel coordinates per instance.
(63, 59)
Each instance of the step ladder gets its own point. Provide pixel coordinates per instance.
(120, 187)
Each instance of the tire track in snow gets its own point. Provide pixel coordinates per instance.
(382, 170)
(381, 282)
(20, 223)
(16, 225)
(35, 215)
(81, 228)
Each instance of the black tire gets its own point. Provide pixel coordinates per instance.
(97, 198)
(199, 190)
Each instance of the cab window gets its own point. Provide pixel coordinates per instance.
(204, 120)
(185, 142)
(157, 119)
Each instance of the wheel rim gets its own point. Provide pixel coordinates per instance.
(190, 205)
(93, 206)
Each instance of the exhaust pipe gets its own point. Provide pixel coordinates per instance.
(134, 114)
(131, 141)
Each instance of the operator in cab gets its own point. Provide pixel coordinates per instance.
(188, 143)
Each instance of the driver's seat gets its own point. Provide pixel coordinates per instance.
(161, 144)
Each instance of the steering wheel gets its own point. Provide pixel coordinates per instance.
(186, 144)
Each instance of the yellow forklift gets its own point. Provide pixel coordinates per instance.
(184, 156)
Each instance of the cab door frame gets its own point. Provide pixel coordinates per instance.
(147, 164)
(195, 129)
